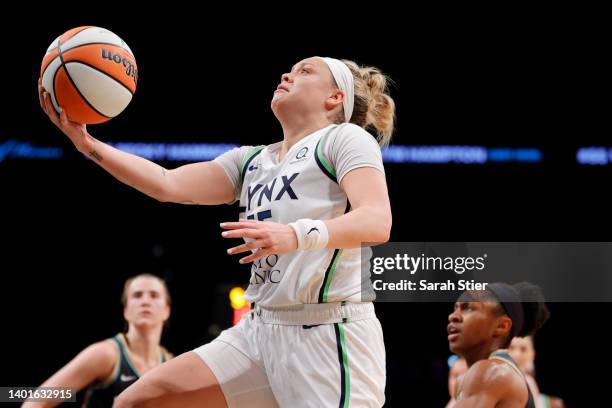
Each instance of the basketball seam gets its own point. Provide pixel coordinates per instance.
(75, 34)
(102, 72)
(74, 85)
(54, 91)
(98, 43)
(83, 45)
(57, 46)
(51, 50)
(50, 62)
(72, 36)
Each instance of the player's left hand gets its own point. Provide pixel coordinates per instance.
(265, 238)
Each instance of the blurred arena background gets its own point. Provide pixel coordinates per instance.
(502, 135)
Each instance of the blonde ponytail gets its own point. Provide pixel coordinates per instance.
(374, 107)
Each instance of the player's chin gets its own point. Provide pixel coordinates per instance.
(276, 99)
(455, 346)
(145, 321)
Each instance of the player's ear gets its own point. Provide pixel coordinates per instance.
(335, 98)
(503, 326)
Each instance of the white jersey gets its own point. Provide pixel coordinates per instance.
(305, 184)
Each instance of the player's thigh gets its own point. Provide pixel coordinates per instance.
(327, 365)
(244, 382)
(185, 381)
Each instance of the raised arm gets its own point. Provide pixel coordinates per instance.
(198, 183)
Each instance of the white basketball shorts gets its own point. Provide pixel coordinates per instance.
(316, 355)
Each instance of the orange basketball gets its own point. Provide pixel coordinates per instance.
(91, 73)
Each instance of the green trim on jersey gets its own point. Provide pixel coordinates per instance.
(322, 162)
(329, 273)
(345, 376)
(123, 350)
(250, 156)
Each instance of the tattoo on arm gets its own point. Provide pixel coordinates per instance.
(95, 155)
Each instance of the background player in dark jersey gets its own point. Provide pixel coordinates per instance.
(480, 329)
(108, 367)
(523, 352)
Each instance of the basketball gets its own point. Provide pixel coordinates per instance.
(91, 73)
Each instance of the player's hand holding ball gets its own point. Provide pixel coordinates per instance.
(88, 75)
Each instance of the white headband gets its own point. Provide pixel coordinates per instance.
(344, 79)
